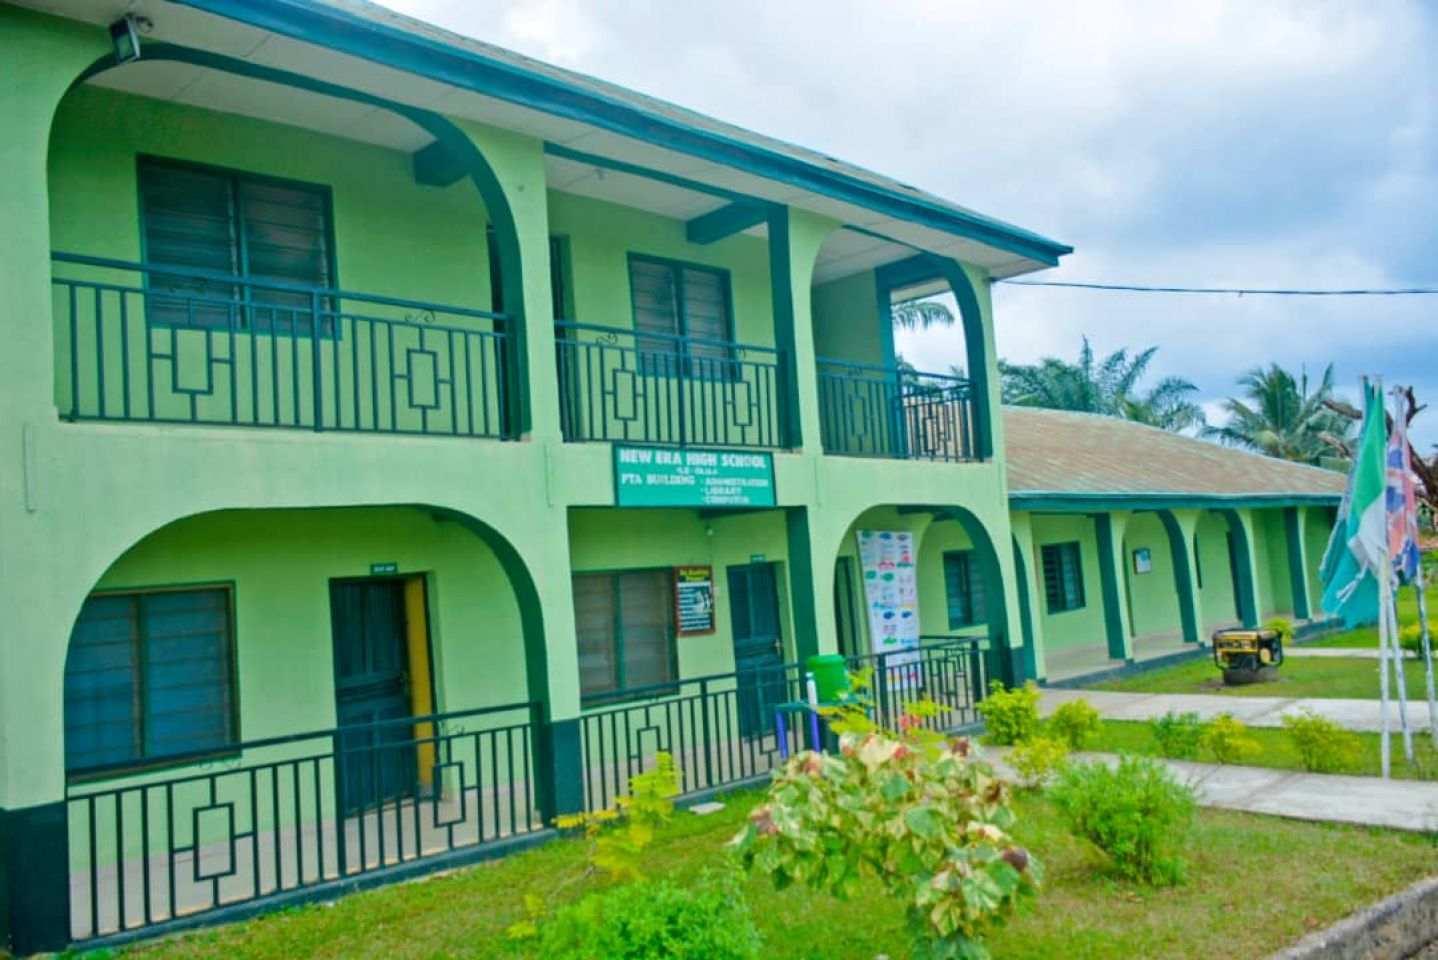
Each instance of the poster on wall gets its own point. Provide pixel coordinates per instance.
(694, 600)
(891, 594)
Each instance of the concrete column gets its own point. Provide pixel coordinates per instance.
(795, 238)
(1182, 529)
(1245, 587)
(1109, 529)
(1295, 529)
(1029, 583)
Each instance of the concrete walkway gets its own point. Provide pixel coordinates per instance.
(1337, 653)
(1360, 715)
(1368, 801)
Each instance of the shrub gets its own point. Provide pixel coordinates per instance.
(1177, 735)
(1226, 739)
(1136, 813)
(1322, 745)
(1283, 627)
(1011, 716)
(708, 920)
(1410, 638)
(1035, 760)
(1076, 723)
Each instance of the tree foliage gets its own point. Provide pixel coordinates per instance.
(1108, 386)
(1282, 415)
(920, 314)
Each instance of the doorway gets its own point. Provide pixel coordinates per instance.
(758, 646)
(846, 609)
(382, 675)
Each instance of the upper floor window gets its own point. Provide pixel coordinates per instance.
(223, 222)
(149, 676)
(681, 300)
(1063, 576)
(965, 589)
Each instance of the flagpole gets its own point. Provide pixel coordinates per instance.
(1400, 423)
(1427, 657)
(1385, 604)
(1399, 675)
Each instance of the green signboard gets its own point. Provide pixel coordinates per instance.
(663, 477)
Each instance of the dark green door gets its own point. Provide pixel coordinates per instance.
(758, 646)
(377, 758)
(846, 611)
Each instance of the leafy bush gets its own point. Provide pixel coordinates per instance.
(1226, 739)
(1322, 745)
(914, 811)
(1076, 723)
(1410, 638)
(1177, 734)
(1136, 813)
(1011, 716)
(1283, 627)
(1035, 760)
(708, 920)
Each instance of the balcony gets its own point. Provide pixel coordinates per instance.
(619, 385)
(143, 343)
(873, 411)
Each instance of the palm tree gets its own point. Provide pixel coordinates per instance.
(1280, 415)
(920, 314)
(1106, 386)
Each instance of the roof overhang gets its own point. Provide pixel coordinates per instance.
(1039, 501)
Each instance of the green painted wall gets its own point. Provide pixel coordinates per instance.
(1152, 597)
(940, 538)
(1071, 628)
(1275, 586)
(846, 325)
(1317, 529)
(1216, 596)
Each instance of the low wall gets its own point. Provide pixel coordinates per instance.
(1392, 929)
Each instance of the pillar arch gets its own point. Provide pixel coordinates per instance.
(1244, 587)
(1295, 533)
(1003, 663)
(1184, 582)
(1026, 616)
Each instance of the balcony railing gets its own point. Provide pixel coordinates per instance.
(619, 385)
(141, 342)
(873, 411)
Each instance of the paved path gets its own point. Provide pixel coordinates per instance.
(1337, 653)
(1370, 801)
(1360, 715)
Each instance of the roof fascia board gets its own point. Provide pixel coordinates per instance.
(358, 36)
(1060, 502)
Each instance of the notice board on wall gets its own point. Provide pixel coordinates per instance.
(891, 595)
(694, 600)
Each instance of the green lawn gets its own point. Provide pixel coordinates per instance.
(1278, 753)
(1342, 677)
(1367, 637)
(1083, 913)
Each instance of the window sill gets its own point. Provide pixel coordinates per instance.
(142, 767)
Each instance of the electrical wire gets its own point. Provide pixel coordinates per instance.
(1234, 291)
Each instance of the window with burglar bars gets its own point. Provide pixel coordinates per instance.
(965, 589)
(1063, 577)
(625, 628)
(681, 300)
(149, 675)
(220, 221)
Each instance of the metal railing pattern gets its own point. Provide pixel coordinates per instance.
(620, 385)
(160, 344)
(287, 813)
(874, 411)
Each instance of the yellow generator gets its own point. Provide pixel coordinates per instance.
(1247, 651)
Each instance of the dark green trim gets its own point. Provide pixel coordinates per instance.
(648, 173)
(781, 279)
(1026, 614)
(617, 111)
(558, 755)
(517, 410)
(724, 222)
(1297, 569)
(1183, 576)
(1244, 587)
(436, 166)
(34, 879)
(803, 612)
(1061, 502)
(1108, 580)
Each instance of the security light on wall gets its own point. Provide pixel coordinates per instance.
(125, 36)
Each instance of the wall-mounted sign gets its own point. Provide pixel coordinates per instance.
(662, 477)
(694, 600)
(383, 569)
(758, 558)
(1142, 560)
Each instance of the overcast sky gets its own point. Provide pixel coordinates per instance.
(1214, 143)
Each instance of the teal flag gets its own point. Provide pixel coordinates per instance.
(1358, 551)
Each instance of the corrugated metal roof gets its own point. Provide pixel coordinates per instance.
(1081, 454)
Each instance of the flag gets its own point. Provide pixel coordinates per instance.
(1402, 503)
(1358, 551)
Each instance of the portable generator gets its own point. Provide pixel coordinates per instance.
(1247, 649)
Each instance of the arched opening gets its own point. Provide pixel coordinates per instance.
(1155, 580)
(235, 257)
(1222, 571)
(262, 701)
(874, 402)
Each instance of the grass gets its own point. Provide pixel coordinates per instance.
(1338, 677)
(1367, 637)
(1277, 751)
(1255, 884)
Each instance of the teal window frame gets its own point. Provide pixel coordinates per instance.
(621, 691)
(243, 279)
(1063, 594)
(964, 589)
(682, 364)
(145, 761)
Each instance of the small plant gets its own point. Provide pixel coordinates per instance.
(1177, 735)
(1322, 745)
(707, 920)
(1410, 638)
(1036, 760)
(1011, 716)
(1225, 738)
(1136, 813)
(1076, 723)
(1281, 626)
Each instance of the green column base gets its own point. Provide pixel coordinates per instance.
(34, 879)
